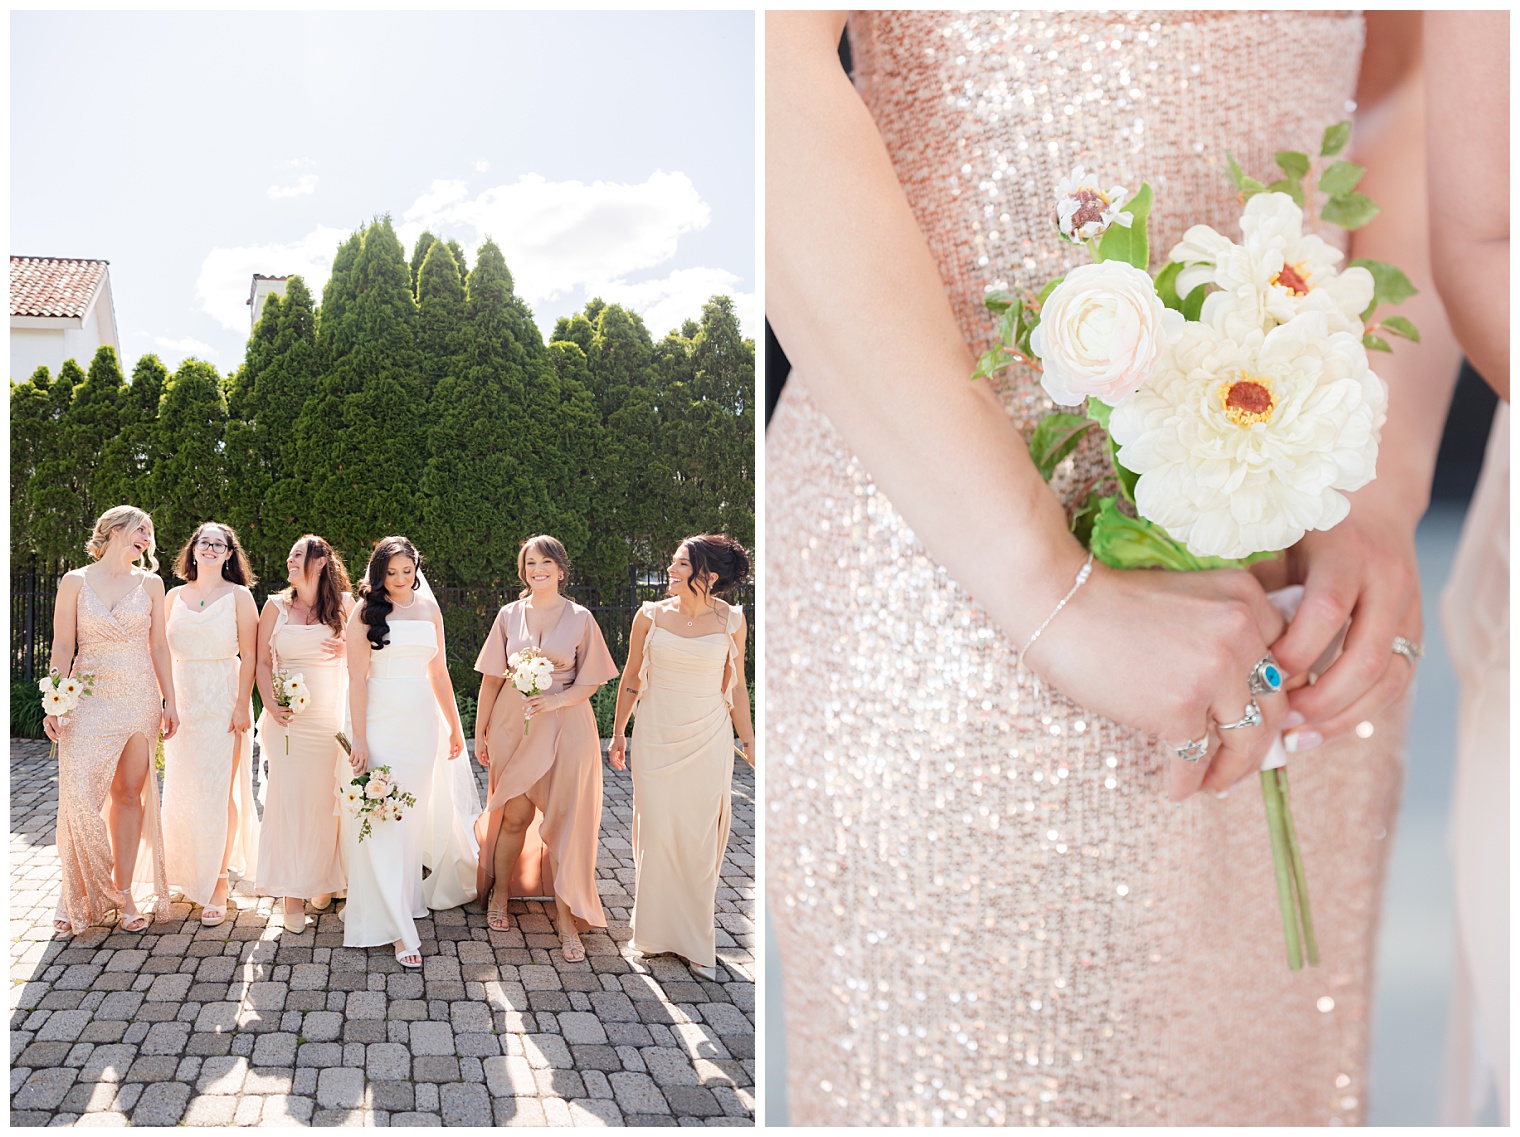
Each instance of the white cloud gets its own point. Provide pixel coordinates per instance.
(173, 352)
(227, 274)
(306, 183)
(559, 237)
(482, 166)
(664, 304)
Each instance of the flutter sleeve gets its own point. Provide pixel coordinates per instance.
(735, 652)
(593, 662)
(492, 659)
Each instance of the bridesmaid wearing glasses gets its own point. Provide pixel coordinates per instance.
(210, 824)
(109, 623)
(301, 632)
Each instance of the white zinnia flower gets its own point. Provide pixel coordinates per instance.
(514, 660)
(525, 682)
(1243, 446)
(45, 684)
(1276, 272)
(295, 685)
(1085, 211)
(1101, 332)
(70, 686)
(57, 703)
(299, 703)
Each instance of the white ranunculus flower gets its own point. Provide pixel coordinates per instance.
(375, 789)
(514, 660)
(1101, 332)
(1276, 272)
(1243, 446)
(1085, 211)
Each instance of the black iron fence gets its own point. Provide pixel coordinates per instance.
(467, 616)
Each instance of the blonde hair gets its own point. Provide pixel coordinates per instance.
(546, 546)
(122, 517)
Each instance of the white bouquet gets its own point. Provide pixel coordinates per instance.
(290, 691)
(60, 695)
(531, 672)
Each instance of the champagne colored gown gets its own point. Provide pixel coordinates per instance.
(301, 853)
(988, 911)
(204, 762)
(557, 762)
(683, 771)
(113, 644)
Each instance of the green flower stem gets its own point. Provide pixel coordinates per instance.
(1280, 859)
(1300, 882)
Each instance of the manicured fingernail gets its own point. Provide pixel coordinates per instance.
(1301, 740)
(1293, 719)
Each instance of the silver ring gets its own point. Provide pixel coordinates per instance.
(1408, 649)
(1192, 751)
(1266, 677)
(1252, 717)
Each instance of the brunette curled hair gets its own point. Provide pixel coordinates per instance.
(235, 568)
(720, 555)
(545, 546)
(377, 602)
(331, 584)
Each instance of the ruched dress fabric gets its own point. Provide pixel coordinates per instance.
(683, 771)
(114, 645)
(300, 851)
(557, 762)
(987, 910)
(205, 763)
(405, 731)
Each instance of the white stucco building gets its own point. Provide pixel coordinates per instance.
(61, 308)
(262, 287)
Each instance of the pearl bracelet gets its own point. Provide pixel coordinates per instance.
(1082, 575)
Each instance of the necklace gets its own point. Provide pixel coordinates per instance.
(405, 606)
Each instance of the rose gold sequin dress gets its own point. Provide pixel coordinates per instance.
(112, 643)
(988, 911)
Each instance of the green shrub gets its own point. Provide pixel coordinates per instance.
(466, 705)
(26, 710)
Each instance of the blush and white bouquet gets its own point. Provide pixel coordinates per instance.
(290, 691)
(61, 694)
(531, 672)
(1232, 392)
(374, 796)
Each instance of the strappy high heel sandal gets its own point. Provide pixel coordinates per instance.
(410, 958)
(213, 915)
(61, 923)
(497, 917)
(570, 944)
(133, 921)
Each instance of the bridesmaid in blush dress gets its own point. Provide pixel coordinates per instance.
(301, 632)
(210, 821)
(538, 834)
(685, 671)
(109, 622)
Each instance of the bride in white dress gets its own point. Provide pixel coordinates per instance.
(403, 716)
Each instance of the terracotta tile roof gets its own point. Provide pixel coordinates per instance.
(54, 286)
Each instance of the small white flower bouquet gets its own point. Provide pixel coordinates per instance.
(531, 672)
(1232, 392)
(60, 695)
(290, 691)
(374, 796)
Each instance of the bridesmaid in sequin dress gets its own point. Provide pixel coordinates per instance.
(210, 821)
(109, 621)
(988, 910)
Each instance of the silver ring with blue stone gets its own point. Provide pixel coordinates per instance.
(1266, 676)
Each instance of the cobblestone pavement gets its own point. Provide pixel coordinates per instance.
(246, 1024)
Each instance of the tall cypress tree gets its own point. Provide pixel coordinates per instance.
(362, 437)
(42, 507)
(98, 413)
(188, 481)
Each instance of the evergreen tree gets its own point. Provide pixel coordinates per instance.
(41, 506)
(188, 480)
(419, 252)
(362, 438)
(97, 416)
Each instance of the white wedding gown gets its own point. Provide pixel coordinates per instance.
(386, 889)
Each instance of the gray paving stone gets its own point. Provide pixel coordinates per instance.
(162, 1103)
(587, 1112)
(340, 1088)
(668, 1067)
(432, 1038)
(217, 1017)
(274, 1050)
(209, 1109)
(465, 1105)
(44, 1089)
(284, 1109)
(637, 1093)
(581, 1027)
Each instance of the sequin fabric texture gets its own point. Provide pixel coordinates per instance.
(987, 910)
(125, 700)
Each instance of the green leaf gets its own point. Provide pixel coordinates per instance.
(1031, 321)
(1082, 520)
(1128, 479)
(1295, 190)
(1130, 245)
(1008, 326)
(1401, 326)
(1376, 343)
(1166, 286)
(1120, 541)
(987, 365)
(1047, 290)
(1293, 163)
(1251, 187)
(999, 301)
(1389, 284)
(1349, 210)
(1192, 307)
(1237, 175)
(1341, 177)
(1098, 411)
(1335, 139)
(1054, 438)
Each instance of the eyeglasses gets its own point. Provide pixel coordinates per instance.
(211, 546)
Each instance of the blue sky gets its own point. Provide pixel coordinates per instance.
(608, 153)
